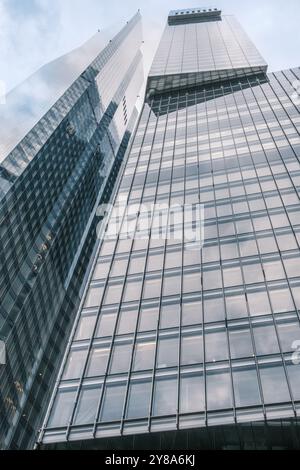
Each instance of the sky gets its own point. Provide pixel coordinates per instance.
(34, 32)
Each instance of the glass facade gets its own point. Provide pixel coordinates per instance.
(51, 184)
(199, 344)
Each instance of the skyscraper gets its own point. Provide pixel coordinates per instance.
(184, 341)
(63, 136)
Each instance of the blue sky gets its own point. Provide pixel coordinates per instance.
(33, 32)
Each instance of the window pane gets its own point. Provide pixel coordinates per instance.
(281, 301)
(87, 406)
(137, 265)
(274, 384)
(246, 388)
(292, 267)
(120, 358)
(274, 270)
(165, 397)
(216, 348)
(288, 333)
(240, 343)
(169, 316)
(236, 306)
(259, 303)
(113, 294)
(62, 408)
(94, 296)
(85, 327)
(192, 349)
(75, 364)
(144, 355)
(172, 285)
(106, 325)
(127, 322)
(192, 396)
(167, 352)
(112, 406)
(98, 362)
(253, 273)
(265, 340)
(152, 288)
(148, 319)
(101, 270)
(132, 291)
(191, 313)
(155, 262)
(219, 394)
(211, 280)
(294, 378)
(232, 277)
(139, 400)
(214, 310)
(119, 267)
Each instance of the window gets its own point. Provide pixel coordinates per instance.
(94, 296)
(171, 285)
(155, 262)
(253, 273)
(165, 397)
(246, 388)
(240, 344)
(139, 400)
(173, 259)
(192, 395)
(87, 406)
(132, 291)
(148, 319)
(98, 361)
(219, 393)
(106, 325)
(292, 267)
(232, 276)
(274, 270)
(267, 245)
(281, 301)
(294, 378)
(229, 251)
(119, 267)
(192, 349)
(214, 310)
(248, 248)
(127, 322)
(137, 265)
(265, 340)
(167, 352)
(191, 282)
(236, 306)
(101, 270)
(191, 313)
(112, 407)
(216, 348)
(288, 333)
(120, 358)
(169, 316)
(274, 385)
(144, 355)
(259, 303)
(75, 364)
(113, 293)
(62, 408)
(85, 327)
(152, 288)
(211, 279)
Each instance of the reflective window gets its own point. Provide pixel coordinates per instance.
(294, 378)
(165, 396)
(152, 288)
(281, 301)
(172, 285)
(94, 296)
(232, 276)
(119, 267)
(192, 349)
(75, 364)
(98, 361)
(192, 395)
(167, 355)
(236, 306)
(148, 319)
(137, 265)
(132, 291)
(274, 270)
(240, 343)
(292, 267)
(112, 406)
(219, 392)
(216, 348)
(62, 408)
(101, 270)
(253, 273)
(211, 280)
(259, 303)
(106, 325)
(87, 406)
(113, 294)
(169, 316)
(127, 322)
(214, 310)
(139, 399)
(246, 388)
(288, 334)
(155, 262)
(191, 313)
(120, 358)
(144, 355)
(85, 327)
(275, 389)
(265, 340)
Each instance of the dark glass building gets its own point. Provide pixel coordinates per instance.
(64, 133)
(184, 344)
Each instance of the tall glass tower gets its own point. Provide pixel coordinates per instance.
(63, 136)
(189, 329)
